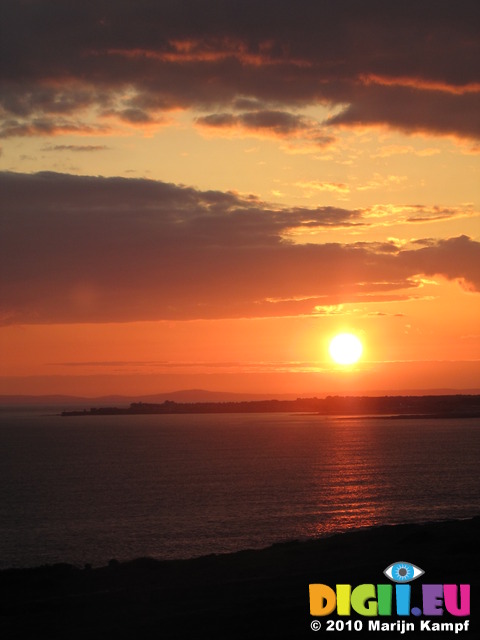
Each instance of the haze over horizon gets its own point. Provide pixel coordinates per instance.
(202, 195)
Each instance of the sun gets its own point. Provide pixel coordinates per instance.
(345, 348)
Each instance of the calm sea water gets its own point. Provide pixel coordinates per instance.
(89, 489)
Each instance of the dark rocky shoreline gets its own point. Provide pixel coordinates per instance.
(253, 594)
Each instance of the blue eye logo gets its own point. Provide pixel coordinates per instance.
(403, 572)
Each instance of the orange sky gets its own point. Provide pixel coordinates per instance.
(203, 199)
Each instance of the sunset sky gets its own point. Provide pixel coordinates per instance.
(201, 194)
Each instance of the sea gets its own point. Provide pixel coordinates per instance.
(89, 489)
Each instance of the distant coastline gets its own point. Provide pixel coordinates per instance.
(448, 406)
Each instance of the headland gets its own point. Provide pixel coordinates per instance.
(435, 406)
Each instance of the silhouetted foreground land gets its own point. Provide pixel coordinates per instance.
(249, 595)
(453, 406)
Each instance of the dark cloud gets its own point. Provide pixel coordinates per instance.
(132, 115)
(275, 123)
(47, 127)
(439, 213)
(405, 64)
(278, 121)
(455, 258)
(414, 109)
(85, 249)
(219, 120)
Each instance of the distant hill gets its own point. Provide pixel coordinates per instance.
(203, 395)
(186, 395)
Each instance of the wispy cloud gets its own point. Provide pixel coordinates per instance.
(312, 186)
(76, 147)
(390, 214)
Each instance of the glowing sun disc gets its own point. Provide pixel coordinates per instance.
(345, 348)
